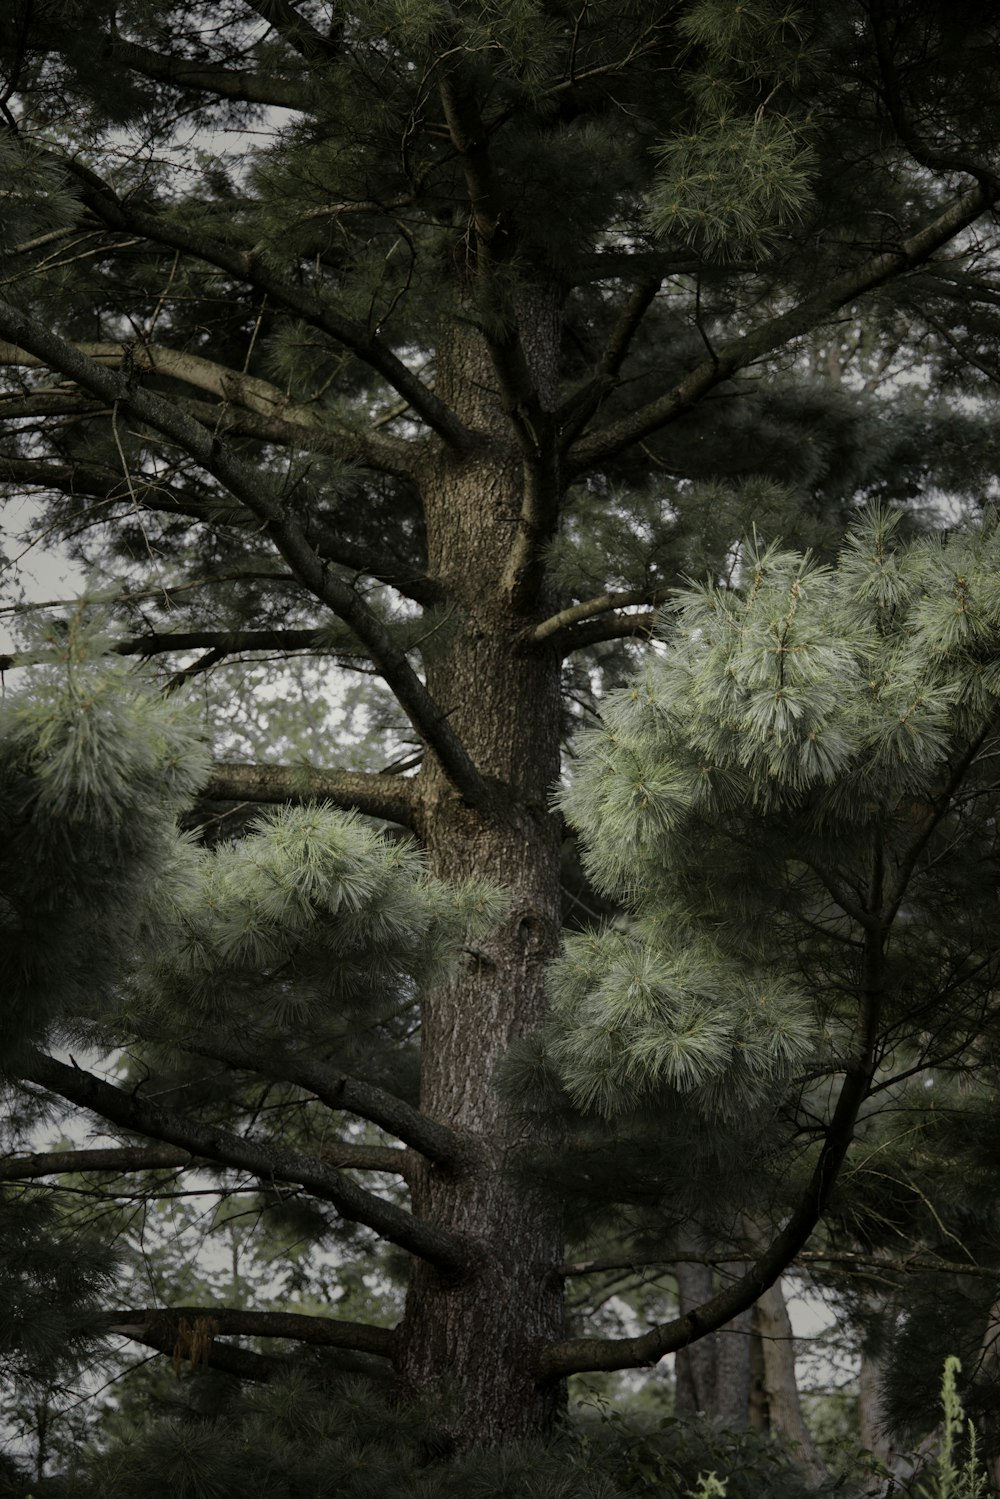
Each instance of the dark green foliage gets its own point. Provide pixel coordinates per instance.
(288, 1442)
(52, 1282)
(299, 306)
(94, 768)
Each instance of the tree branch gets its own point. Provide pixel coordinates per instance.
(335, 1089)
(386, 455)
(576, 1355)
(494, 247)
(126, 1159)
(393, 798)
(230, 1358)
(615, 627)
(119, 1159)
(574, 415)
(605, 603)
(269, 1162)
(260, 494)
(281, 418)
(248, 267)
(163, 1324)
(880, 1263)
(926, 155)
(939, 808)
(294, 29)
(157, 496)
(236, 84)
(779, 331)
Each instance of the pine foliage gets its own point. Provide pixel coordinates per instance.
(95, 767)
(771, 781)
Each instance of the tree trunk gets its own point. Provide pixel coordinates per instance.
(475, 1335)
(779, 1386)
(713, 1374)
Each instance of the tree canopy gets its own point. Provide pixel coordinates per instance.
(389, 368)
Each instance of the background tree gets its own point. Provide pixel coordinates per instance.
(495, 323)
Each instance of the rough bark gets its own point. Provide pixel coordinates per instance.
(476, 1334)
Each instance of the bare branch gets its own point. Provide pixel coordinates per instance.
(605, 603)
(349, 1156)
(780, 331)
(394, 798)
(118, 1158)
(231, 1358)
(335, 1089)
(878, 1264)
(126, 1159)
(163, 1324)
(269, 1162)
(614, 627)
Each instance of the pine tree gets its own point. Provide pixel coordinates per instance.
(439, 342)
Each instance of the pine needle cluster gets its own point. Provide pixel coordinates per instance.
(767, 787)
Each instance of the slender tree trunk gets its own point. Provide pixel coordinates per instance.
(713, 1374)
(780, 1390)
(476, 1335)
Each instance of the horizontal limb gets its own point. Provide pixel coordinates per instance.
(559, 625)
(119, 1159)
(123, 1160)
(390, 797)
(268, 1162)
(161, 1327)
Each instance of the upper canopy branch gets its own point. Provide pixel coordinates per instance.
(932, 157)
(262, 495)
(777, 332)
(294, 297)
(494, 248)
(265, 1160)
(293, 28)
(294, 420)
